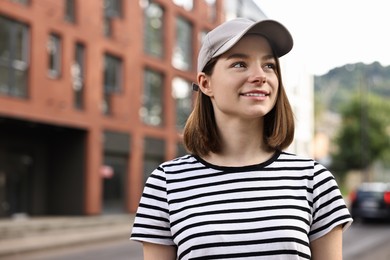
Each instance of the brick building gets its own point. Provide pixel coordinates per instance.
(94, 95)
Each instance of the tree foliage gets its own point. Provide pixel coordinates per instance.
(364, 136)
(336, 87)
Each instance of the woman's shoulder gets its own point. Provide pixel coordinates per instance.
(181, 163)
(181, 160)
(172, 166)
(292, 157)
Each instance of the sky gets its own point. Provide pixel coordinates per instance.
(332, 33)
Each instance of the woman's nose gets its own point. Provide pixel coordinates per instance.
(258, 76)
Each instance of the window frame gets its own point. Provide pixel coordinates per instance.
(151, 36)
(183, 43)
(13, 64)
(54, 49)
(146, 112)
(182, 97)
(110, 13)
(22, 2)
(115, 69)
(78, 75)
(116, 66)
(70, 11)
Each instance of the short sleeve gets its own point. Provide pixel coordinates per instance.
(329, 208)
(151, 223)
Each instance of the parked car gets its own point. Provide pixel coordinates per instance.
(371, 200)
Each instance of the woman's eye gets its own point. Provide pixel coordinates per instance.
(239, 65)
(269, 66)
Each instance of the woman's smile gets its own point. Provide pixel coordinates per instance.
(256, 94)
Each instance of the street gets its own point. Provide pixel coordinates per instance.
(106, 250)
(367, 241)
(362, 241)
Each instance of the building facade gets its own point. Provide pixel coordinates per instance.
(94, 95)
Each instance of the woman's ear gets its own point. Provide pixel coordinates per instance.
(204, 84)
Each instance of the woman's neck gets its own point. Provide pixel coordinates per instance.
(242, 144)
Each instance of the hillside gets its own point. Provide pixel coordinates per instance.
(340, 84)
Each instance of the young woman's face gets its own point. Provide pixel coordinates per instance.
(244, 82)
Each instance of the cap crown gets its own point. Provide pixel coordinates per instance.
(226, 35)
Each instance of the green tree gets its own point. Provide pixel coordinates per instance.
(364, 135)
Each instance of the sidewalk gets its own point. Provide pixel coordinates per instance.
(21, 235)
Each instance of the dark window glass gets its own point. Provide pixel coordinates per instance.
(182, 94)
(23, 2)
(153, 30)
(152, 103)
(70, 11)
(154, 155)
(112, 80)
(54, 51)
(14, 43)
(112, 9)
(107, 27)
(182, 52)
(77, 71)
(116, 147)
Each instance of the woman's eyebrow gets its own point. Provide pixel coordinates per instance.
(237, 56)
(245, 56)
(269, 57)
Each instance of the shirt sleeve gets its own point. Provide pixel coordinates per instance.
(151, 223)
(329, 208)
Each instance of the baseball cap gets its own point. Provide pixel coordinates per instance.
(225, 36)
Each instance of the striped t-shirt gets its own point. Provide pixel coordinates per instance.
(270, 210)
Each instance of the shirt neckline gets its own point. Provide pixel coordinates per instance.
(239, 168)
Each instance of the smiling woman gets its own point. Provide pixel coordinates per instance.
(238, 194)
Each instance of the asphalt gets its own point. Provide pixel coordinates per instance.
(24, 234)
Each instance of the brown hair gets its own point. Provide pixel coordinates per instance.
(201, 135)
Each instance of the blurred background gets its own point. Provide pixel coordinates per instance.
(94, 95)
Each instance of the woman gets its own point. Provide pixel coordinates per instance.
(238, 195)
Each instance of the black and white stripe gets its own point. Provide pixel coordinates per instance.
(266, 211)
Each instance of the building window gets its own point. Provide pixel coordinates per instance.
(77, 71)
(186, 4)
(152, 103)
(112, 80)
(54, 51)
(23, 2)
(154, 155)
(182, 94)
(14, 52)
(153, 30)
(116, 147)
(182, 53)
(107, 28)
(112, 9)
(70, 11)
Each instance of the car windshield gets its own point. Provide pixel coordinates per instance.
(369, 194)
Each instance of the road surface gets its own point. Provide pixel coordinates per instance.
(362, 241)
